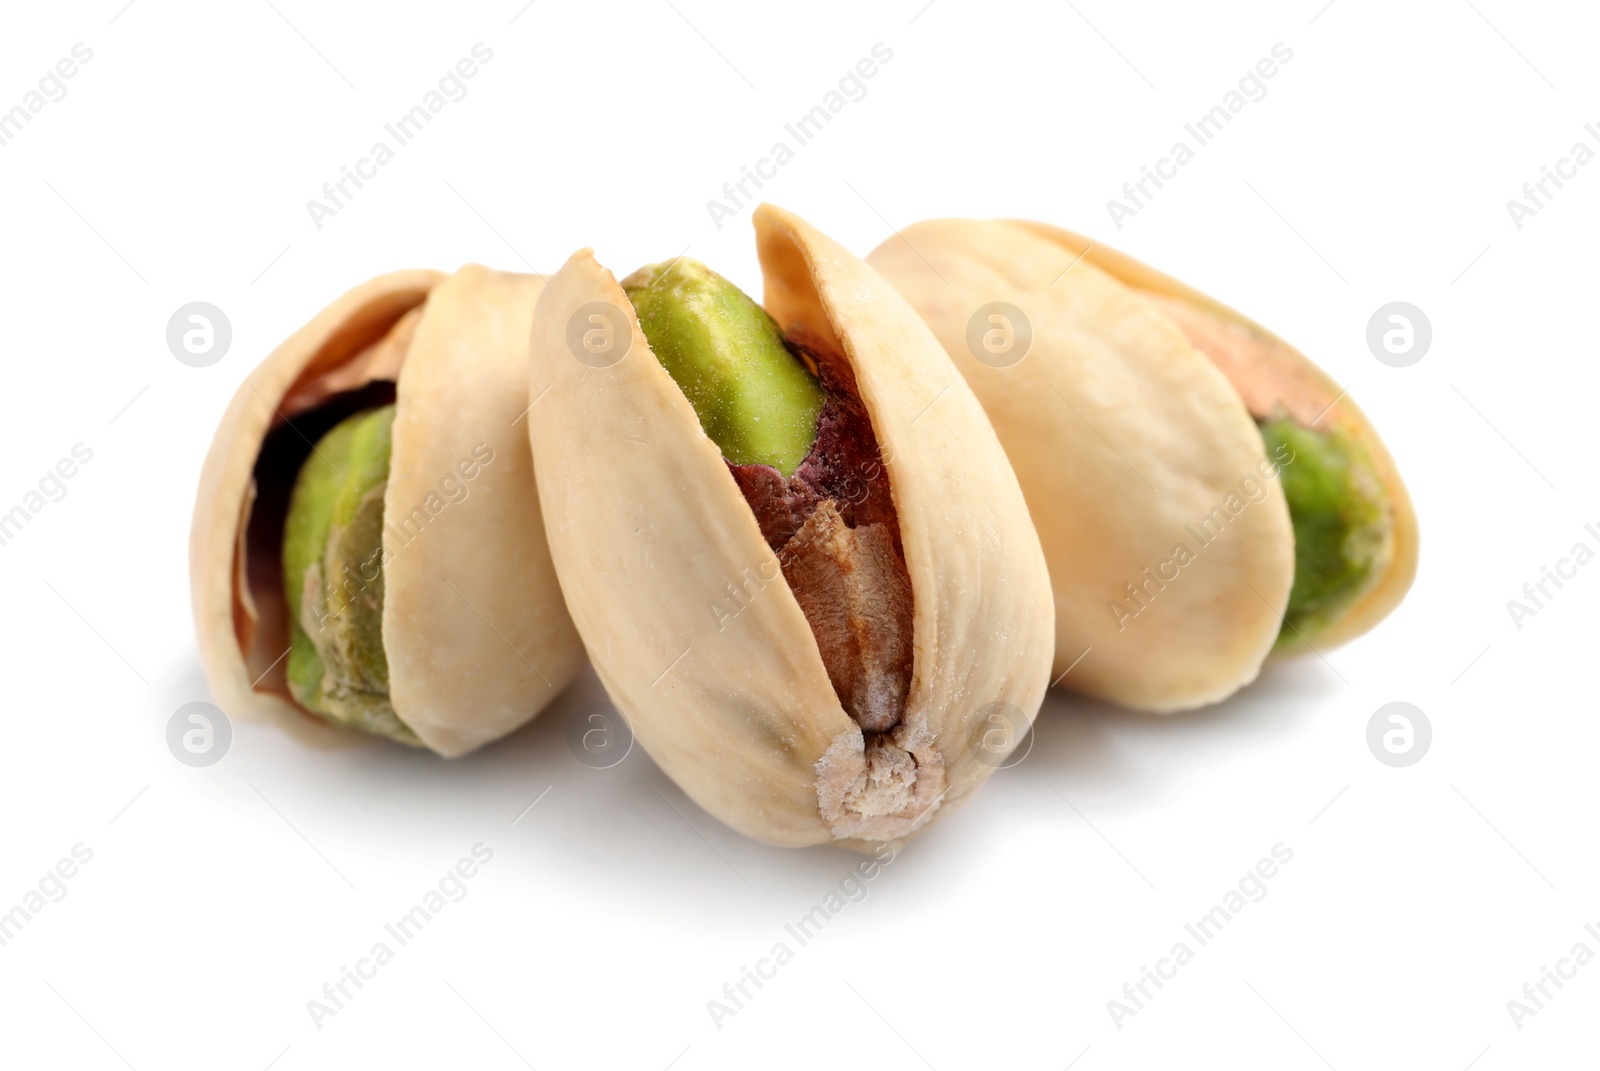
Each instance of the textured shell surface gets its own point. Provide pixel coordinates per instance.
(685, 610)
(1168, 539)
(1271, 374)
(475, 631)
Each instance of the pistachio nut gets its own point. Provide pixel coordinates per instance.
(1128, 444)
(367, 547)
(1342, 526)
(754, 398)
(1356, 536)
(799, 559)
(333, 535)
(1227, 499)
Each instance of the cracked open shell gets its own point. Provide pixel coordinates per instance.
(1132, 422)
(686, 614)
(1124, 438)
(1276, 380)
(473, 628)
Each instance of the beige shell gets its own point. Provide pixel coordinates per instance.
(1269, 373)
(477, 637)
(1125, 440)
(649, 530)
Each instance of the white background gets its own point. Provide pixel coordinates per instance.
(220, 900)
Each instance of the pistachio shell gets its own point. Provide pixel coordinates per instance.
(649, 531)
(1124, 438)
(474, 629)
(1269, 375)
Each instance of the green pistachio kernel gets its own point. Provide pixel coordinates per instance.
(333, 577)
(754, 397)
(1342, 524)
